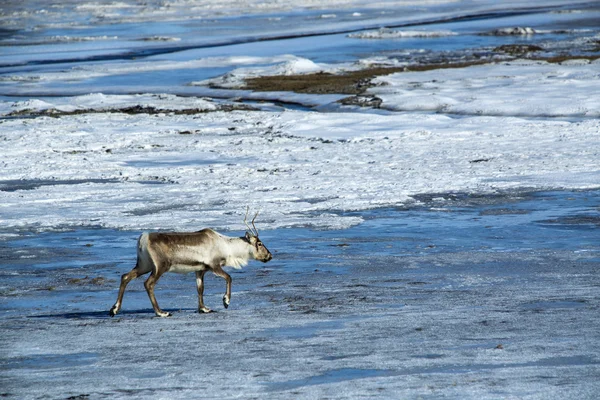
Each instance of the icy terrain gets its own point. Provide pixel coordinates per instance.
(435, 231)
(170, 170)
(465, 298)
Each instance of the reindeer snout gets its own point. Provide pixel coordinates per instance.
(268, 258)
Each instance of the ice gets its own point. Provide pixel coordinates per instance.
(84, 72)
(219, 162)
(485, 299)
(439, 241)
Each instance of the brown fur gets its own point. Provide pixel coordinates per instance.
(190, 252)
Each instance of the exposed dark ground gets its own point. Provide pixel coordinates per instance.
(357, 82)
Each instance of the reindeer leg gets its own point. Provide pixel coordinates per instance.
(200, 285)
(149, 285)
(227, 297)
(125, 279)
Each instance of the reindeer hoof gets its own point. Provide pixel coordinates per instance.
(163, 314)
(113, 311)
(225, 301)
(205, 310)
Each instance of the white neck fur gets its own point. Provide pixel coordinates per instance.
(239, 253)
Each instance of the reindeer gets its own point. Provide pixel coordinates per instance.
(199, 252)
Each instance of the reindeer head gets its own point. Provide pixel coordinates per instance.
(259, 251)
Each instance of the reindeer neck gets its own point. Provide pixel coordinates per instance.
(239, 252)
(240, 247)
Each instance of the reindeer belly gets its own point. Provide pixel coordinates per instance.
(186, 268)
(188, 261)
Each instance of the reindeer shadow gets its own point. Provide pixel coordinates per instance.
(99, 315)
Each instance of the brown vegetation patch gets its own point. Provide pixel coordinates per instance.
(562, 58)
(357, 82)
(352, 82)
(517, 49)
(318, 83)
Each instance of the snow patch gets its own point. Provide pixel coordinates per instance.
(236, 78)
(520, 88)
(140, 172)
(513, 31)
(105, 102)
(386, 33)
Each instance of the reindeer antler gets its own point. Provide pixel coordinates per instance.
(254, 226)
(255, 231)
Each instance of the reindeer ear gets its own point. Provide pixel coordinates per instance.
(249, 237)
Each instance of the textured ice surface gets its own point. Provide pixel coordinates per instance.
(487, 297)
(384, 33)
(173, 171)
(442, 271)
(145, 149)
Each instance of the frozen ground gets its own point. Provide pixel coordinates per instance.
(484, 297)
(169, 170)
(439, 242)
(161, 47)
(172, 156)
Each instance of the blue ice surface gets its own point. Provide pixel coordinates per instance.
(454, 289)
(43, 264)
(452, 294)
(299, 34)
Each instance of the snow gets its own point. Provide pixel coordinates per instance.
(292, 66)
(104, 102)
(442, 245)
(386, 33)
(175, 171)
(70, 15)
(518, 31)
(535, 124)
(519, 88)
